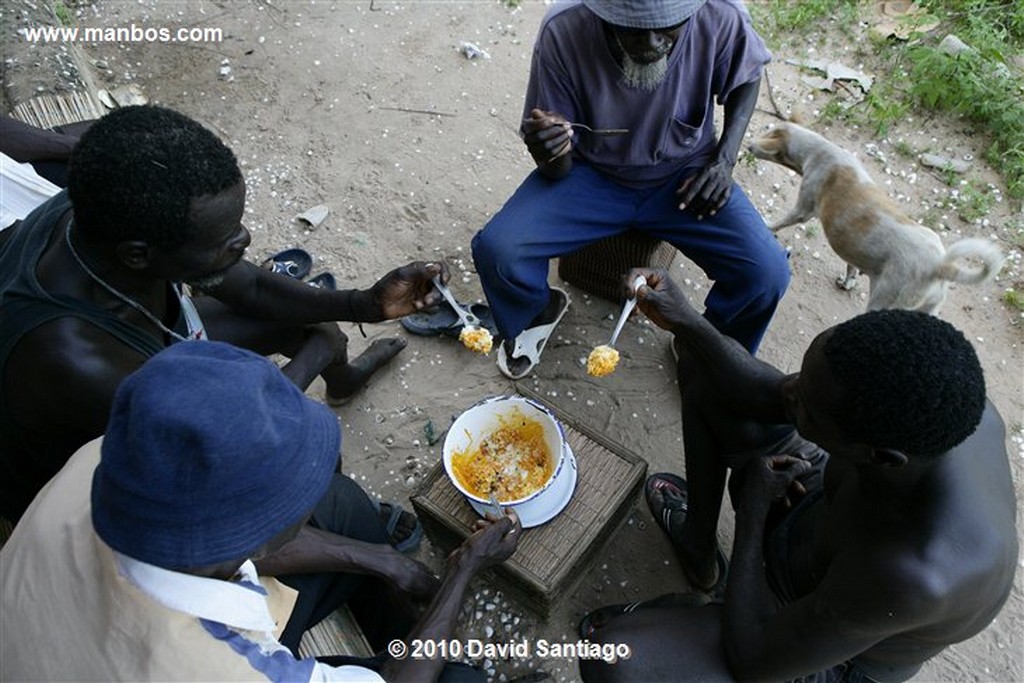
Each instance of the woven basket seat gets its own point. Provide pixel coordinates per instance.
(599, 267)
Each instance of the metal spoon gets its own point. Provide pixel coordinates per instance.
(626, 310)
(593, 131)
(600, 131)
(495, 504)
(467, 318)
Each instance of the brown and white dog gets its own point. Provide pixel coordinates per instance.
(908, 266)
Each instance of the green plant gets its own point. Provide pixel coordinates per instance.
(832, 111)
(904, 149)
(787, 15)
(62, 14)
(1014, 299)
(975, 202)
(979, 82)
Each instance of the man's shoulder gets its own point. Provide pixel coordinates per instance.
(724, 15)
(66, 367)
(564, 17)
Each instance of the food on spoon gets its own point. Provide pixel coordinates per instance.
(602, 361)
(513, 461)
(477, 339)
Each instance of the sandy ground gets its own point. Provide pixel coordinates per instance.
(313, 97)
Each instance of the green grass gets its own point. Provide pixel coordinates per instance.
(975, 202)
(904, 149)
(62, 14)
(984, 86)
(1014, 299)
(786, 16)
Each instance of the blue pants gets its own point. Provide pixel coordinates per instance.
(546, 219)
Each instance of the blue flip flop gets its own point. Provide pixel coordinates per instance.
(294, 263)
(412, 541)
(443, 320)
(323, 281)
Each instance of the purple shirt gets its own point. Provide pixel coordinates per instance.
(670, 128)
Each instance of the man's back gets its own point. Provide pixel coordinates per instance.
(923, 560)
(60, 583)
(61, 356)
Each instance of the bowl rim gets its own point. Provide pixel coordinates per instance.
(446, 457)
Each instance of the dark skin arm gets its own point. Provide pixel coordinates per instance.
(708, 191)
(23, 142)
(493, 542)
(756, 386)
(549, 141)
(256, 292)
(865, 597)
(317, 551)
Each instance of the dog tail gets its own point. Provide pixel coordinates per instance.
(989, 254)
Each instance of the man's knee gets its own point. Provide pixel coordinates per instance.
(771, 275)
(494, 245)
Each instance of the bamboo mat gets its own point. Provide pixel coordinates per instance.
(337, 634)
(551, 557)
(47, 111)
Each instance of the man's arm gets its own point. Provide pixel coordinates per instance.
(492, 543)
(259, 293)
(709, 190)
(857, 604)
(315, 551)
(750, 387)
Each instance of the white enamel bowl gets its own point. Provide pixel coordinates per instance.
(481, 420)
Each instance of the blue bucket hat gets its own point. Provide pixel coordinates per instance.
(210, 452)
(645, 14)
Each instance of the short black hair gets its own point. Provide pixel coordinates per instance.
(909, 381)
(135, 171)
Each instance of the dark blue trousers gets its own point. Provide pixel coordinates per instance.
(546, 219)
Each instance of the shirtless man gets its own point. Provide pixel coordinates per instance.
(857, 557)
(89, 290)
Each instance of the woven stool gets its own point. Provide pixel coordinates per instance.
(598, 268)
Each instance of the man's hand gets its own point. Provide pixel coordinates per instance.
(772, 478)
(493, 541)
(547, 135)
(708, 191)
(660, 299)
(406, 290)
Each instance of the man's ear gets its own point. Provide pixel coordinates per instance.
(135, 254)
(889, 457)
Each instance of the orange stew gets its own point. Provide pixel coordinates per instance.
(514, 460)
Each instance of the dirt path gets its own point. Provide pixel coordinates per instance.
(314, 99)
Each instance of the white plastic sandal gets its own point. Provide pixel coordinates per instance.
(531, 342)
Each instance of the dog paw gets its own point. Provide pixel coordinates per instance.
(846, 283)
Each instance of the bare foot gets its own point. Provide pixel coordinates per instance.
(344, 381)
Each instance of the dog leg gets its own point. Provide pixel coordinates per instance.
(883, 293)
(850, 280)
(804, 210)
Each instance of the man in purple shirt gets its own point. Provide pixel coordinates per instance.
(654, 68)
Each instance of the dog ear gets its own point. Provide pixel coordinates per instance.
(797, 118)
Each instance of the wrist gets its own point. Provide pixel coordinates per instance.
(362, 306)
